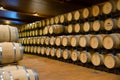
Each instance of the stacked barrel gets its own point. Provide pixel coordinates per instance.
(10, 53)
(88, 35)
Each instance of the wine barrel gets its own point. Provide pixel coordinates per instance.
(10, 68)
(97, 59)
(66, 40)
(38, 40)
(10, 52)
(112, 61)
(56, 29)
(8, 34)
(47, 40)
(58, 53)
(31, 49)
(31, 40)
(77, 28)
(70, 28)
(97, 25)
(86, 13)
(118, 5)
(35, 40)
(35, 50)
(66, 54)
(85, 57)
(111, 41)
(62, 18)
(52, 52)
(28, 40)
(77, 15)
(74, 40)
(52, 21)
(118, 22)
(96, 10)
(45, 30)
(109, 7)
(58, 40)
(110, 24)
(57, 19)
(28, 50)
(47, 22)
(40, 32)
(27, 74)
(42, 40)
(43, 23)
(69, 16)
(96, 41)
(38, 50)
(52, 40)
(87, 27)
(13, 34)
(75, 55)
(84, 40)
(25, 48)
(43, 50)
(47, 51)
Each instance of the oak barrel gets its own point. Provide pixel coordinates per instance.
(87, 27)
(38, 50)
(58, 53)
(97, 25)
(47, 51)
(110, 24)
(77, 15)
(77, 28)
(97, 59)
(52, 52)
(109, 7)
(52, 40)
(66, 54)
(96, 10)
(111, 41)
(75, 55)
(66, 40)
(85, 57)
(8, 34)
(74, 40)
(96, 41)
(10, 52)
(86, 12)
(10, 68)
(58, 40)
(69, 16)
(118, 5)
(27, 74)
(84, 40)
(112, 61)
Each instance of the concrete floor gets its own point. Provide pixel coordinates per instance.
(49, 69)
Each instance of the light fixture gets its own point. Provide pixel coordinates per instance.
(7, 22)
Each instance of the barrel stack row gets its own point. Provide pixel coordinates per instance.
(88, 35)
(12, 52)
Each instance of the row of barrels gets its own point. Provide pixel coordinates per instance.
(96, 58)
(12, 73)
(95, 26)
(107, 41)
(8, 33)
(93, 11)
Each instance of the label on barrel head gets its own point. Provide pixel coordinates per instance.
(108, 24)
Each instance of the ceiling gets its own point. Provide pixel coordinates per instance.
(25, 11)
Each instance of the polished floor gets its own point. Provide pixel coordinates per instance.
(50, 69)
